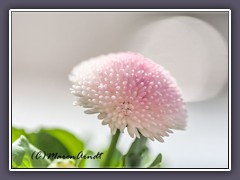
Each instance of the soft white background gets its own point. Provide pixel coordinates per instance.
(192, 46)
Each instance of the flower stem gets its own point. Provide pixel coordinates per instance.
(111, 149)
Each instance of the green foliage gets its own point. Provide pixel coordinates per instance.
(16, 133)
(47, 143)
(71, 142)
(81, 163)
(156, 162)
(116, 159)
(50, 140)
(22, 152)
(64, 143)
(136, 153)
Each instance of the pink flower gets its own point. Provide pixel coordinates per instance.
(129, 91)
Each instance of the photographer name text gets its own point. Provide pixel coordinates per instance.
(80, 155)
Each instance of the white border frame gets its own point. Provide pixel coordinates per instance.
(121, 10)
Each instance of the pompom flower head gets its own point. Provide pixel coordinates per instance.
(129, 91)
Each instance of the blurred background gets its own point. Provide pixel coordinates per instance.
(193, 46)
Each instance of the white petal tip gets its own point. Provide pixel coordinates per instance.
(160, 139)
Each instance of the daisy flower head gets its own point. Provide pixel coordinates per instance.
(129, 91)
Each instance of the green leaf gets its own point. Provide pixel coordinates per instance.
(57, 141)
(81, 163)
(47, 143)
(16, 133)
(22, 152)
(156, 162)
(116, 160)
(136, 153)
(71, 142)
(53, 141)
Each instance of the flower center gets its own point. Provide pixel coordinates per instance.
(125, 108)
